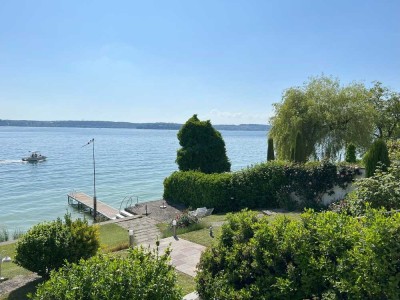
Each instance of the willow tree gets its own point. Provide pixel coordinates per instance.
(387, 107)
(202, 148)
(326, 115)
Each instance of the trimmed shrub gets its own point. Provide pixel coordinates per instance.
(316, 257)
(377, 154)
(202, 148)
(46, 246)
(196, 189)
(351, 154)
(140, 275)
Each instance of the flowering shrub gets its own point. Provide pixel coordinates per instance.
(185, 220)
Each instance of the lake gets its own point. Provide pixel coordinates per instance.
(128, 162)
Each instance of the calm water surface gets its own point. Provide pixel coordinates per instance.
(128, 162)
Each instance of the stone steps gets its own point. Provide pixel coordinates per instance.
(144, 229)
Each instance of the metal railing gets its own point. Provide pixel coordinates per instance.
(128, 200)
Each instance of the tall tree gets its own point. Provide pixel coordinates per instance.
(351, 153)
(326, 115)
(387, 109)
(270, 153)
(377, 156)
(203, 148)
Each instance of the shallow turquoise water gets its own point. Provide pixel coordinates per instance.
(128, 162)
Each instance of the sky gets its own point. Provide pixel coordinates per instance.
(163, 61)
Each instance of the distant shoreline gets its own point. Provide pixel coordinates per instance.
(109, 124)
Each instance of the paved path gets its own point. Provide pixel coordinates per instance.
(185, 255)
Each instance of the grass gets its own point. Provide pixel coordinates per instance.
(113, 238)
(186, 282)
(166, 230)
(10, 269)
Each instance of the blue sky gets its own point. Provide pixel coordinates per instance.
(150, 61)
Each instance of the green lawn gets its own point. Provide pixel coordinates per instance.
(9, 270)
(186, 282)
(113, 238)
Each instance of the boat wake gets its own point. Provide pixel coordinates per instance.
(11, 161)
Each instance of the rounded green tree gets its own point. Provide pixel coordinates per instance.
(203, 148)
(46, 246)
(377, 154)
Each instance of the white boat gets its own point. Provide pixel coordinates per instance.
(34, 157)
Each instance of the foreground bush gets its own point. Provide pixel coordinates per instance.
(141, 275)
(322, 256)
(45, 246)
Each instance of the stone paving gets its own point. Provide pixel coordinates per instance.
(185, 255)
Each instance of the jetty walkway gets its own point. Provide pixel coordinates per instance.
(85, 201)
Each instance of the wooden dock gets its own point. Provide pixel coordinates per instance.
(86, 201)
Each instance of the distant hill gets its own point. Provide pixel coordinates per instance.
(108, 124)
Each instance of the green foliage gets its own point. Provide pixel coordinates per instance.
(326, 115)
(185, 219)
(141, 275)
(323, 255)
(45, 246)
(196, 189)
(351, 154)
(394, 150)
(203, 148)
(299, 152)
(382, 189)
(4, 234)
(270, 153)
(387, 111)
(267, 185)
(377, 155)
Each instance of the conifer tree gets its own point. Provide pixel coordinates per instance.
(202, 148)
(377, 154)
(270, 153)
(351, 153)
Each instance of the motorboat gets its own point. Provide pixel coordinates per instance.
(34, 157)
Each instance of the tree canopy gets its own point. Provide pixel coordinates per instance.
(387, 111)
(325, 115)
(203, 148)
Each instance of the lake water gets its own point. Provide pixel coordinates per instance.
(128, 162)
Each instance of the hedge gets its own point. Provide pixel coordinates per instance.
(268, 185)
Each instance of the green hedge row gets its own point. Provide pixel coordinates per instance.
(267, 185)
